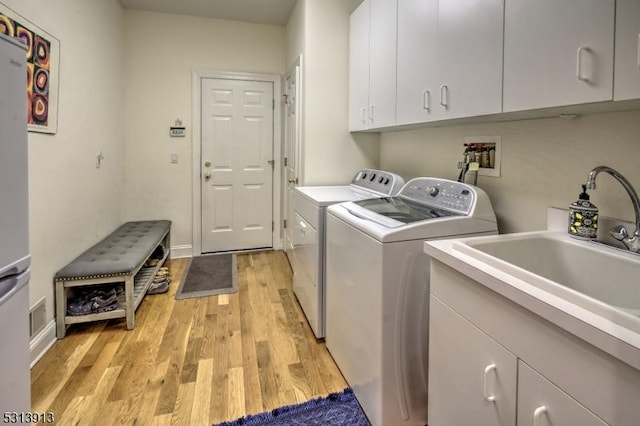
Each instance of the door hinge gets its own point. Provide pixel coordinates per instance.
(284, 224)
(273, 104)
(285, 99)
(273, 164)
(286, 161)
(273, 226)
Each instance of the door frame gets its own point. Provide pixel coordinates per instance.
(196, 144)
(294, 69)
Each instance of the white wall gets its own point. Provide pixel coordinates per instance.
(544, 162)
(319, 30)
(73, 204)
(161, 51)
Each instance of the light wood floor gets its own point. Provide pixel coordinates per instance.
(192, 362)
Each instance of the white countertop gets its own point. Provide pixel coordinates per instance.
(617, 340)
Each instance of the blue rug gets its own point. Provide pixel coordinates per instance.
(336, 409)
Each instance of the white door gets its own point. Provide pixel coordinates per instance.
(292, 152)
(237, 164)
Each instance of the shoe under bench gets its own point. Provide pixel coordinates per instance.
(119, 259)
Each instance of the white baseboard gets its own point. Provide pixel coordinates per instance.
(40, 344)
(181, 251)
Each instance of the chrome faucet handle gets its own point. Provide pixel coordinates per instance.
(619, 232)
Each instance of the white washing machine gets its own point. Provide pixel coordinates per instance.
(309, 204)
(377, 289)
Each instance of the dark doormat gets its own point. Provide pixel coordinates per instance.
(336, 409)
(209, 275)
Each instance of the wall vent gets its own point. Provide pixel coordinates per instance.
(37, 318)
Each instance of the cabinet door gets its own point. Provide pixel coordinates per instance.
(627, 68)
(541, 403)
(470, 35)
(472, 378)
(417, 61)
(557, 53)
(359, 67)
(382, 63)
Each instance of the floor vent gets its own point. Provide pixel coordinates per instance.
(37, 317)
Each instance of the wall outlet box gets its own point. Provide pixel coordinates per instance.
(177, 132)
(491, 149)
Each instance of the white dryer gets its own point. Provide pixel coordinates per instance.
(309, 204)
(377, 289)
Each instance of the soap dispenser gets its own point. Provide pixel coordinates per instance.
(583, 217)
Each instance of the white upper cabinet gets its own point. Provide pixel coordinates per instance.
(557, 53)
(449, 59)
(470, 35)
(382, 63)
(417, 60)
(359, 67)
(372, 65)
(627, 68)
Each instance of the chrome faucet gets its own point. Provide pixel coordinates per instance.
(620, 233)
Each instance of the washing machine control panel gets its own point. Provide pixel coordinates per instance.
(441, 193)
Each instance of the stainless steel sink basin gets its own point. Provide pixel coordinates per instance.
(601, 279)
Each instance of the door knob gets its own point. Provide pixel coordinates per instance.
(207, 163)
(207, 176)
(293, 180)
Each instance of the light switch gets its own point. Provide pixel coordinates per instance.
(99, 158)
(173, 158)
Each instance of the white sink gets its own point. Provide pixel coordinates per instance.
(599, 278)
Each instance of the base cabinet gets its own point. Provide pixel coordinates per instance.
(473, 379)
(541, 403)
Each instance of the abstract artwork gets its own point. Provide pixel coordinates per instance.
(43, 54)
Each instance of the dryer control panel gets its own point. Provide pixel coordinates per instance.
(385, 183)
(441, 193)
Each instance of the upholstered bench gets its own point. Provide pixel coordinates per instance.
(117, 260)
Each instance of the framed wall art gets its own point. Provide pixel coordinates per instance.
(43, 62)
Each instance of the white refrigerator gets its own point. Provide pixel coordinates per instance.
(15, 394)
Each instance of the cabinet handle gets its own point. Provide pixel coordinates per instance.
(538, 413)
(426, 100)
(303, 228)
(487, 370)
(372, 112)
(638, 50)
(579, 75)
(444, 96)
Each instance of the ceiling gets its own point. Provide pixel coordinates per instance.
(274, 12)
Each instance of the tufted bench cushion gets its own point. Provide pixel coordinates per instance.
(120, 253)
